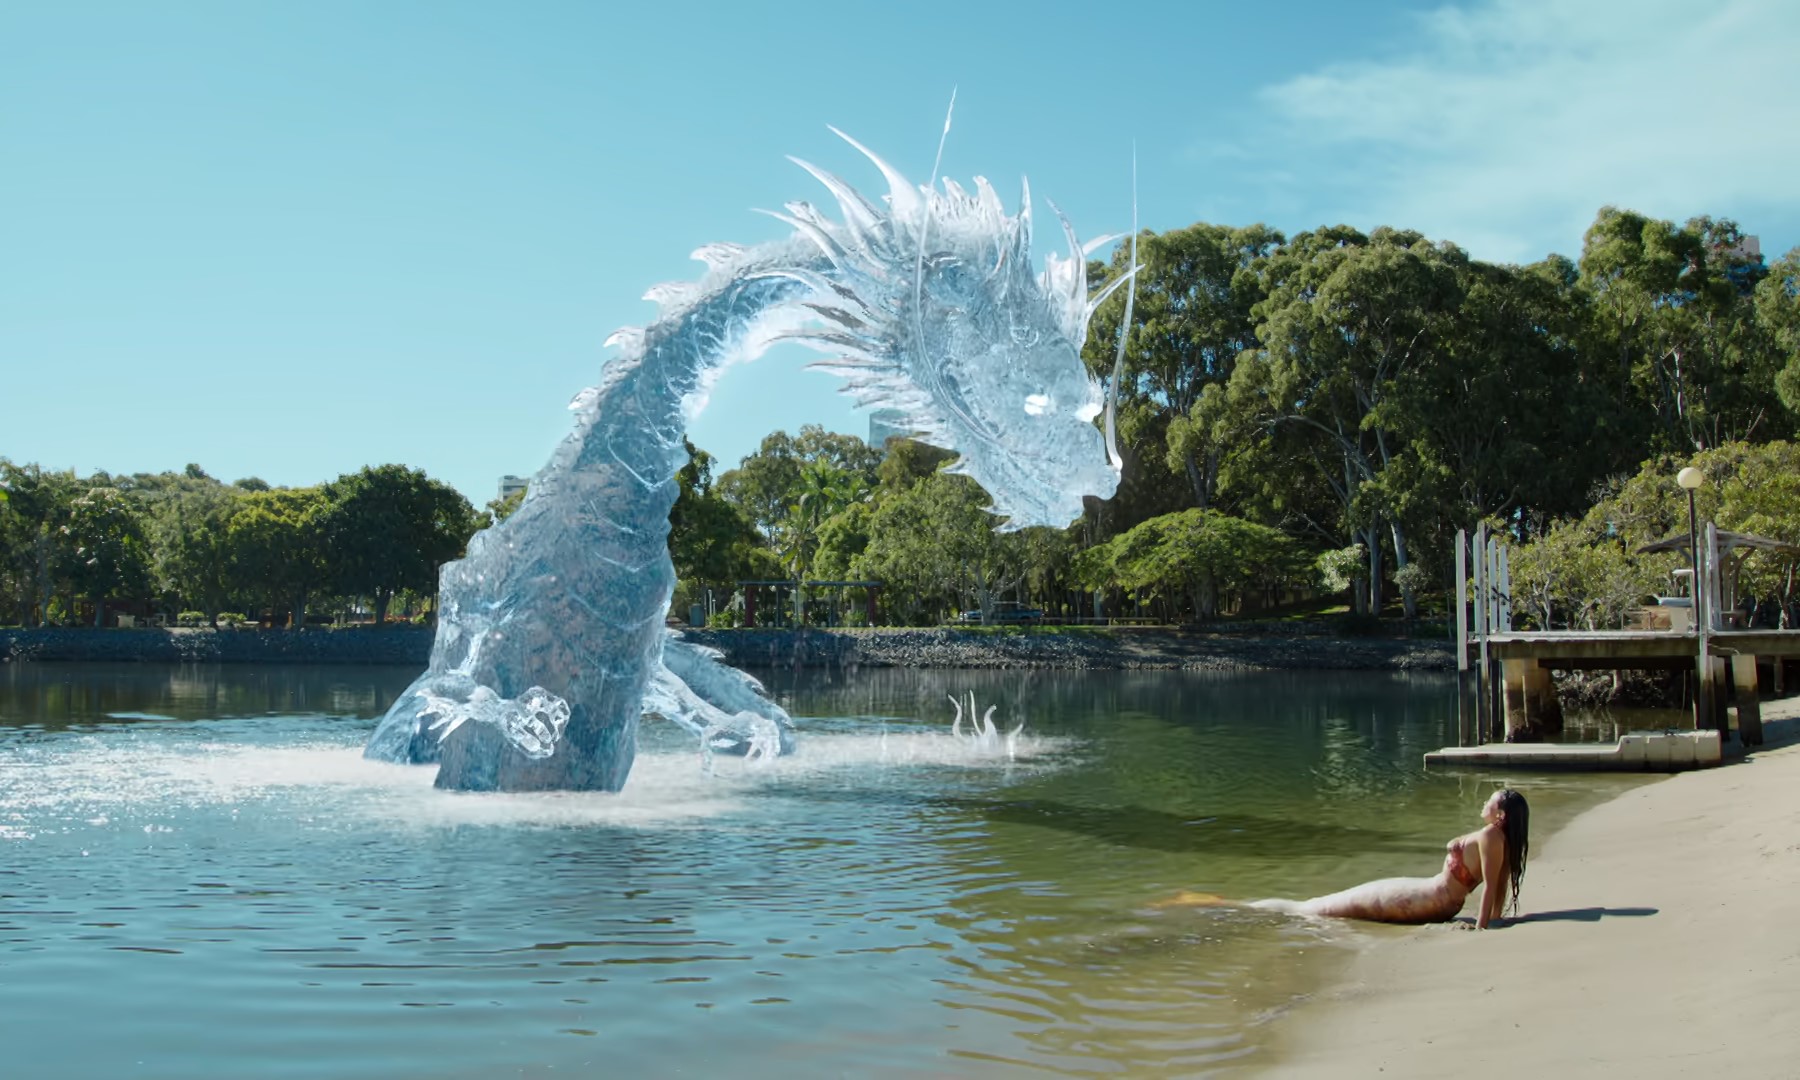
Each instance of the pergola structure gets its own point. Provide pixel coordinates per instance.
(750, 589)
(1732, 549)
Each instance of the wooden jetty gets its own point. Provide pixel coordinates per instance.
(1508, 703)
(1640, 751)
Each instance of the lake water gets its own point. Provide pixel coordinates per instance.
(201, 877)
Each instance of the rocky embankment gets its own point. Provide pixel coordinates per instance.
(1025, 647)
(394, 645)
(1089, 649)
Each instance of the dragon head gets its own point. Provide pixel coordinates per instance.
(932, 308)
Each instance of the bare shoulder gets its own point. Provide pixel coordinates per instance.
(1481, 836)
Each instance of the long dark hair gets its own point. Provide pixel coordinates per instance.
(1515, 824)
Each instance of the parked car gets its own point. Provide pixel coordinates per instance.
(1006, 611)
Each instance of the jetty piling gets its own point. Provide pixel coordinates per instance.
(1505, 692)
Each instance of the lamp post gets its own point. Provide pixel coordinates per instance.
(1690, 480)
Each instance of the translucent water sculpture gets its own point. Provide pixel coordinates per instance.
(550, 632)
(983, 735)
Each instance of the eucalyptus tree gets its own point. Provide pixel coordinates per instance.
(1778, 309)
(1196, 294)
(1350, 326)
(1674, 308)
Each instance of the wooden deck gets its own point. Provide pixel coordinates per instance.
(1506, 694)
(1566, 649)
(1667, 751)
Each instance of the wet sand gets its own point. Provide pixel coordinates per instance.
(1659, 936)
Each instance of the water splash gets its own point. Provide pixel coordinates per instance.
(983, 735)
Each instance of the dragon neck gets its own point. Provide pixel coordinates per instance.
(635, 419)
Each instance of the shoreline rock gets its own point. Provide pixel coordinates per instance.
(1252, 649)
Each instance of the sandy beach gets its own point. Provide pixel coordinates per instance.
(1660, 936)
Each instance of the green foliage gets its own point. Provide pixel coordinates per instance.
(276, 549)
(909, 461)
(103, 551)
(843, 539)
(710, 540)
(767, 484)
(37, 505)
(1778, 309)
(1578, 576)
(1358, 394)
(1673, 306)
(502, 508)
(190, 526)
(934, 544)
(1196, 296)
(1202, 555)
(1589, 572)
(390, 528)
(1338, 568)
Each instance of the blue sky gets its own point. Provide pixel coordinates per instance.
(289, 240)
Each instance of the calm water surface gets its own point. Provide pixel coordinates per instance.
(200, 877)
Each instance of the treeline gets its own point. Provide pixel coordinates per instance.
(1324, 412)
(170, 543)
(1318, 413)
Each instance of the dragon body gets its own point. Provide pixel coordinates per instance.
(551, 642)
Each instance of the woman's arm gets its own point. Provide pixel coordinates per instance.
(1493, 876)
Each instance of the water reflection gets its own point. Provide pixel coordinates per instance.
(54, 696)
(876, 903)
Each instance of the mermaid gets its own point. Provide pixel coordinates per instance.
(1492, 857)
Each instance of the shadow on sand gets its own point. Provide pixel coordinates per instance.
(1586, 914)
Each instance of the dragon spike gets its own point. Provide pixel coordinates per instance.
(1022, 228)
(849, 320)
(1077, 254)
(987, 720)
(829, 341)
(903, 198)
(1109, 288)
(827, 246)
(858, 214)
(1097, 243)
(627, 338)
(672, 294)
(717, 255)
(956, 725)
(1112, 399)
(988, 199)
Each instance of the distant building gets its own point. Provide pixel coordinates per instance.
(510, 485)
(885, 424)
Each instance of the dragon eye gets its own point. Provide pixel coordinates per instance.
(1087, 412)
(1037, 405)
